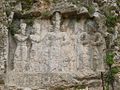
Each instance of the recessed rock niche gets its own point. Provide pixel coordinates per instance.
(60, 53)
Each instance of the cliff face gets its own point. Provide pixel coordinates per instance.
(59, 44)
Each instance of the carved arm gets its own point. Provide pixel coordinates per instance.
(20, 37)
(35, 38)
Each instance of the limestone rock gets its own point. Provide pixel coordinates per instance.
(48, 57)
(65, 50)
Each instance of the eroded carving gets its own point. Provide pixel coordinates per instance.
(96, 46)
(34, 50)
(21, 51)
(57, 55)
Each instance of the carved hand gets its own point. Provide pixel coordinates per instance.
(20, 37)
(35, 38)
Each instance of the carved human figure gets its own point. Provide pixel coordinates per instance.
(96, 46)
(68, 62)
(21, 49)
(84, 46)
(54, 42)
(97, 54)
(82, 52)
(64, 64)
(78, 50)
(34, 51)
(61, 50)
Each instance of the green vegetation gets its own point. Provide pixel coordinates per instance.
(109, 58)
(14, 28)
(110, 75)
(91, 9)
(118, 3)
(111, 20)
(29, 22)
(45, 14)
(111, 17)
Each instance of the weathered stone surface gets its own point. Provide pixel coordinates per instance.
(3, 51)
(61, 48)
(57, 55)
(117, 82)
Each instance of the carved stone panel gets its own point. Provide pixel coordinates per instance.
(57, 53)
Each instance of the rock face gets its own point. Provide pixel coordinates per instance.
(57, 54)
(3, 45)
(62, 49)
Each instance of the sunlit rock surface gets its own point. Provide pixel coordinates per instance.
(53, 46)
